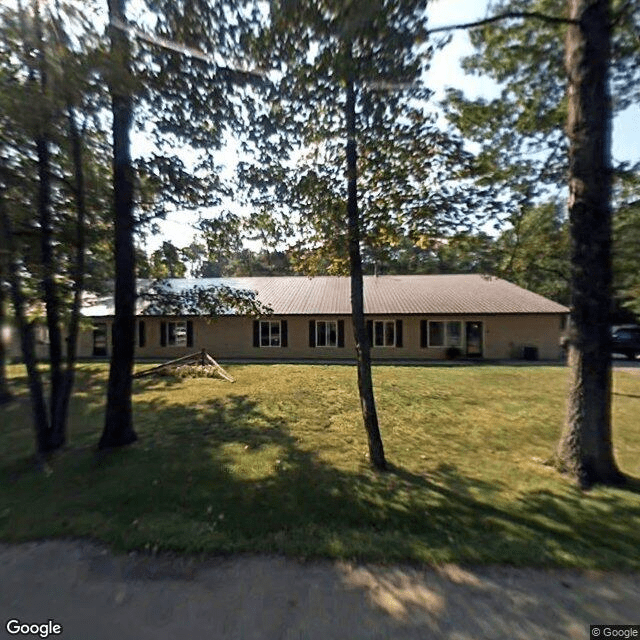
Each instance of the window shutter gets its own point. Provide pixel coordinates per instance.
(284, 337)
(370, 332)
(189, 333)
(113, 331)
(256, 333)
(312, 333)
(163, 334)
(423, 333)
(398, 333)
(142, 333)
(341, 333)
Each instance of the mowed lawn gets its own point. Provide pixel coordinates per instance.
(277, 463)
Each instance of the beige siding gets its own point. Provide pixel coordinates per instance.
(232, 337)
(505, 336)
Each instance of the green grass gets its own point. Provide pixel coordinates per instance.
(277, 463)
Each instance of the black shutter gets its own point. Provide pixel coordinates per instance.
(370, 332)
(312, 333)
(256, 333)
(113, 331)
(163, 334)
(189, 333)
(398, 333)
(284, 335)
(341, 333)
(142, 333)
(423, 333)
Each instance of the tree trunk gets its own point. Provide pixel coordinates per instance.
(78, 279)
(118, 428)
(27, 340)
(585, 449)
(363, 348)
(5, 393)
(57, 430)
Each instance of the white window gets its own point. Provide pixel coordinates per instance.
(270, 333)
(384, 333)
(326, 333)
(177, 334)
(445, 334)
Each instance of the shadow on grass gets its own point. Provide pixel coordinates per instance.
(626, 395)
(228, 475)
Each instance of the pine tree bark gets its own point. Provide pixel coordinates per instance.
(585, 448)
(118, 429)
(57, 432)
(363, 347)
(79, 271)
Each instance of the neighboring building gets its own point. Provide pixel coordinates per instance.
(408, 318)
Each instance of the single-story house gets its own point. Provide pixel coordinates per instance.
(418, 317)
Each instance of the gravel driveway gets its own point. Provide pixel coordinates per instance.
(95, 595)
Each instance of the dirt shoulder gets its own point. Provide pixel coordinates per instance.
(96, 595)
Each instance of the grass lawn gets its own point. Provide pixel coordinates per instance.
(277, 463)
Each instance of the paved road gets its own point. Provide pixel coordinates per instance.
(95, 595)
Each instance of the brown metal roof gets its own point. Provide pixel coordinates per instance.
(329, 295)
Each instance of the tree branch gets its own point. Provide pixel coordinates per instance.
(621, 13)
(510, 15)
(232, 73)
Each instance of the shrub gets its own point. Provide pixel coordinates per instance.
(452, 353)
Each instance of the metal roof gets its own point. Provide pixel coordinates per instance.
(384, 295)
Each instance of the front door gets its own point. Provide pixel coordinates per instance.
(474, 339)
(100, 339)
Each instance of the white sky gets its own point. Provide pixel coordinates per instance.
(445, 72)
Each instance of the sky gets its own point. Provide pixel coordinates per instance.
(626, 127)
(445, 71)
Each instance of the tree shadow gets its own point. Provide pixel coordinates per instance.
(228, 474)
(626, 395)
(309, 507)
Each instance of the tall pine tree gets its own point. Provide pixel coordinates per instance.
(347, 152)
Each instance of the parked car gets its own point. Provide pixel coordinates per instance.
(625, 340)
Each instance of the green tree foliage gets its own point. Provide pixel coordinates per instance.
(165, 262)
(544, 88)
(534, 252)
(348, 93)
(521, 133)
(198, 300)
(626, 247)
(192, 95)
(55, 60)
(463, 252)
(51, 186)
(186, 100)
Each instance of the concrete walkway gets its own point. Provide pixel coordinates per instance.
(95, 595)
